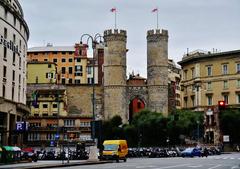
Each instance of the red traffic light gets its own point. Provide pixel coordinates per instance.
(221, 103)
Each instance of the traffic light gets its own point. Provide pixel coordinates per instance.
(221, 105)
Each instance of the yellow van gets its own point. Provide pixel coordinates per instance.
(115, 150)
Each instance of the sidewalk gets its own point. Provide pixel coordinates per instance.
(51, 164)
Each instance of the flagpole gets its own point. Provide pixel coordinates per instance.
(157, 18)
(115, 19)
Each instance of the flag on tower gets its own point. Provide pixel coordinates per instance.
(155, 10)
(113, 10)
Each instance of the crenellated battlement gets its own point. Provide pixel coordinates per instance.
(162, 32)
(110, 32)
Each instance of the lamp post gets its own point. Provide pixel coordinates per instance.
(198, 131)
(94, 43)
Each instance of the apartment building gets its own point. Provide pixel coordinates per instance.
(14, 34)
(208, 78)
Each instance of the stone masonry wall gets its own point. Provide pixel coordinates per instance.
(115, 74)
(157, 70)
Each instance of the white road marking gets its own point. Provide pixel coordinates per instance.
(194, 166)
(239, 158)
(215, 166)
(234, 167)
(232, 158)
(225, 158)
(174, 166)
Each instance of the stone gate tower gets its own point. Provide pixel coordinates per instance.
(157, 70)
(115, 100)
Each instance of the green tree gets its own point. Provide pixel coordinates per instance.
(230, 124)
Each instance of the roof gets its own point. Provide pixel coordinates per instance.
(209, 55)
(52, 49)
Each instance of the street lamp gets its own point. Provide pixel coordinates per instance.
(94, 43)
(198, 131)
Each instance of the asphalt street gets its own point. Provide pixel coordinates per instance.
(224, 161)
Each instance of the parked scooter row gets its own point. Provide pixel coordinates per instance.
(157, 152)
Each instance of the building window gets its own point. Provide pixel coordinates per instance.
(90, 80)
(45, 60)
(13, 92)
(63, 81)
(63, 70)
(33, 136)
(185, 102)
(225, 98)
(49, 65)
(70, 81)
(4, 71)
(63, 60)
(209, 100)
(64, 53)
(69, 123)
(185, 74)
(5, 33)
(3, 90)
(20, 62)
(209, 70)
(238, 98)
(209, 86)
(14, 38)
(70, 60)
(45, 106)
(193, 101)
(238, 83)
(55, 106)
(5, 13)
(77, 81)
(55, 60)
(85, 124)
(193, 73)
(78, 59)
(78, 68)
(225, 84)
(89, 70)
(225, 69)
(70, 70)
(13, 75)
(238, 68)
(14, 58)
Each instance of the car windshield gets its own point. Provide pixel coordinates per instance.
(110, 147)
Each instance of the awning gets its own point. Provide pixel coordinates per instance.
(8, 148)
(28, 149)
(16, 149)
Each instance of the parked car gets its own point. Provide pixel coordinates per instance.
(28, 155)
(191, 152)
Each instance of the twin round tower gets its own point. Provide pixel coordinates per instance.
(116, 100)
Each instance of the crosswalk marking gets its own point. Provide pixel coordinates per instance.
(216, 166)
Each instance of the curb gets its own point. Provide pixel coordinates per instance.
(62, 165)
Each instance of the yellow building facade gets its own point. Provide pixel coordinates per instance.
(41, 72)
(208, 78)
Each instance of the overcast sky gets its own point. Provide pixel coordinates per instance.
(193, 24)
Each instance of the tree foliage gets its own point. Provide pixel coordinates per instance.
(230, 124)
(153, 129)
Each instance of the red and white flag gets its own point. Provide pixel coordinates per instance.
(155, 10)
(113, 10)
